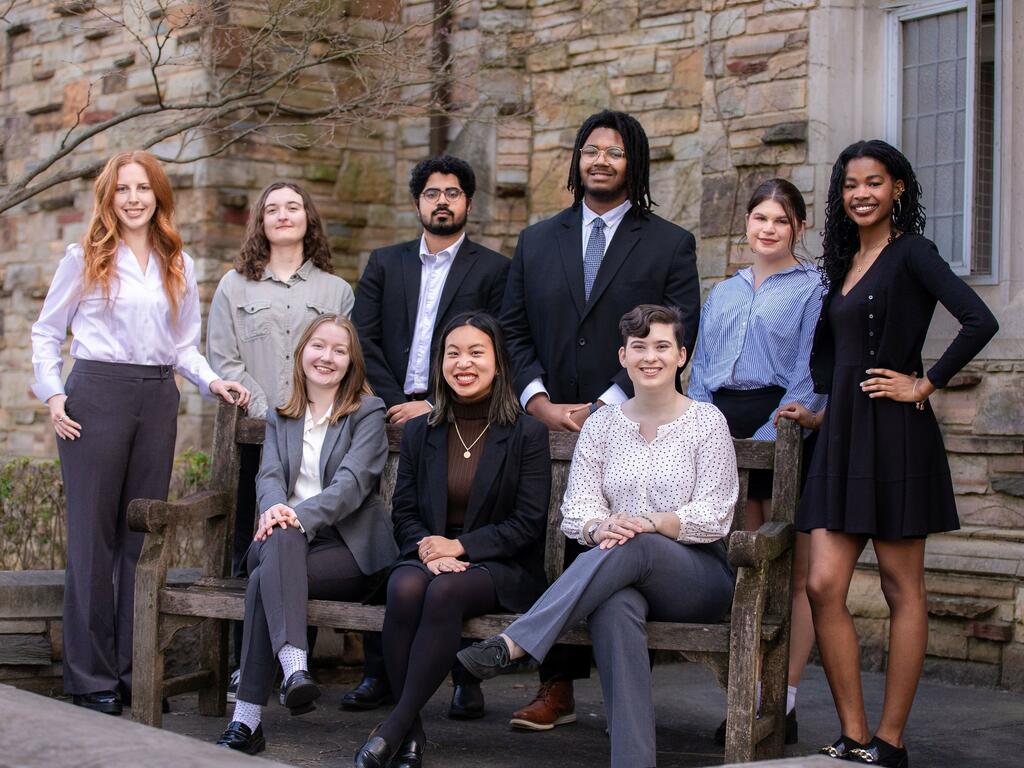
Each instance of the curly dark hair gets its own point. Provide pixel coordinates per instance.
(638, 157)
(841, 237)
(255, 251)
(443, 164)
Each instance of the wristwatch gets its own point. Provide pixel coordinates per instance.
(590, 530)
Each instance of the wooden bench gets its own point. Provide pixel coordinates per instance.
(752, 645)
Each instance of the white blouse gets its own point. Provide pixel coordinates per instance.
(689, 468)
(307, 484)
(133, 326)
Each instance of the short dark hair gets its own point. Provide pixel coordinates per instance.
(638, 157)
(638, 321)
(788, 196)
(443, 164)
(505, 408)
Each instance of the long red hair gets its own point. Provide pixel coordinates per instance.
(104, 233)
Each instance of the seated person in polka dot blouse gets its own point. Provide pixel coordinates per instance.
(651, 490)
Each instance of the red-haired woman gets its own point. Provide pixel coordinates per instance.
(128, 293)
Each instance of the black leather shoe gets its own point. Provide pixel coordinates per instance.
(489, 658)
(299, 692)
(107, 702)
(878, 752)
(790, 737)
(237, 736)
(410, 755)
(371, 693)
(375, 753)
(841, 748)
(467, 701)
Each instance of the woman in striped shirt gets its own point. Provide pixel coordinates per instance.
(752, 355)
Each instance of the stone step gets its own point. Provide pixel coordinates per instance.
(975, 550)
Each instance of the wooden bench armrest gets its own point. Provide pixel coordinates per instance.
(750, 549)
(151, 515)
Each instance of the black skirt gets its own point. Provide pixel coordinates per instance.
(745, 410)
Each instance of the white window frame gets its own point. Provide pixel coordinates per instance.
(899, 12)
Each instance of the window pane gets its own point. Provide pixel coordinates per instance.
(984, 144)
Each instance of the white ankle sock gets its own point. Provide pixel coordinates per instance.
(758, 696)
(292, 659)
(247, 714)
(790, 698)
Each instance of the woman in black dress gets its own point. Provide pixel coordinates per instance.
(879, 469)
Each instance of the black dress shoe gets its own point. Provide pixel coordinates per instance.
(489, 658)
(299, 692)
(467, 701)
(107, 702)
(375, 753)
(791, 730)
(410, 755)
(371, 693)
(878, 752)
(841, 748)
(239, 737)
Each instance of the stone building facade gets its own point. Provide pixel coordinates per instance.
(730, 92)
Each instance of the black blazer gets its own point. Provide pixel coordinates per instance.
(388, 295)
(899, 312)
(573, 344)
(506, 517)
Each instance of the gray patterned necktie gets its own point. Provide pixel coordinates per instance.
(592, 258)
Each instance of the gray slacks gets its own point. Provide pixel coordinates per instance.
(129, 418)
(616, 591)
(285, 572)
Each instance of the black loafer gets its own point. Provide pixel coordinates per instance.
(239, 737)
(299, 692)
(841, 748)
(878, 752)
(467, 701)
(410, 755)
(107, 702)
(489, 658)
(790, 738)
(375, 753)
(371, 693)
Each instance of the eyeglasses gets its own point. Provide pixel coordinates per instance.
(612, 153)
(433, 194)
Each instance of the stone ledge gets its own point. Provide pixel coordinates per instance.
(974, 550)
(982, 444)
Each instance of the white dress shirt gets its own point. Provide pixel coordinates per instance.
(433, 274)
(307, 484)
(133, 326)
(612, 219)
(689, 469)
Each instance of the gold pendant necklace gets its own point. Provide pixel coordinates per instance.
(469, 447)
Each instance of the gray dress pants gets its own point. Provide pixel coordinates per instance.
(285, 572)
(616, 591)
(129, 418)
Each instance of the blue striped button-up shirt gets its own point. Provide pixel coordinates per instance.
(750, 339)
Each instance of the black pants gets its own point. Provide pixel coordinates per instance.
(129, 423)
(745, 411)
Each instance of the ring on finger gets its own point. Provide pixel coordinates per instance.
(60, 419)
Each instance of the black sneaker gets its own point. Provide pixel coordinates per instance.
(489, 658)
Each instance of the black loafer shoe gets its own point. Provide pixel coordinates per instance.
(841, 748)
(489, 658)
(107, 702)
(299, 692)
(878, 752)
(375, 753)
(467, 701)
(410, 755)
(237, 736)
(371, 693)
(790, 737)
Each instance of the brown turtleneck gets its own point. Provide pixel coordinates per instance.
(472, 419)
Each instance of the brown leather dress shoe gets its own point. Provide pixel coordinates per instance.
(553, 705)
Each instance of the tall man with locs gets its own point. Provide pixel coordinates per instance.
(572, 277)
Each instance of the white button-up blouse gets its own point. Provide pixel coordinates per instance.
(133, 326)
(689, 468)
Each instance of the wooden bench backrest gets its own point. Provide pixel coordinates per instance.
(783, 456)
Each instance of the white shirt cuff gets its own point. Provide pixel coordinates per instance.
(613, 395)
(535, 387)
(44, 390)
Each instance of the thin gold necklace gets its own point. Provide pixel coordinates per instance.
(469, 447)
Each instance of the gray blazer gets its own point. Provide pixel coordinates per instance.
(351, 463)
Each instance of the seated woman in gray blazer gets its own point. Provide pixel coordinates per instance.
(323, 532)
(651, 489)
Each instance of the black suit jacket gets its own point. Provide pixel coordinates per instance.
(387, 299)
(573, 344)
(506, 516)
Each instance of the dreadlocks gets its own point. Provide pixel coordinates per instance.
(841, 237)
(638, 157)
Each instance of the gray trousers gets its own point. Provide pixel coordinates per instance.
(616, 591)
(129, 417)
(285, 572)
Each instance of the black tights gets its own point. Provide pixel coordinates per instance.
(422, 632)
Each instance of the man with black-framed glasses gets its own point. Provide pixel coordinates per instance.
(406, 292)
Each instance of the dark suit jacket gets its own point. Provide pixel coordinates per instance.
(351, 462)
(573, 344)
(388, 295)
(506, 516)
(898, 312)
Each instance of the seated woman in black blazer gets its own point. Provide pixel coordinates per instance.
(323, 530)
(469, 510)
